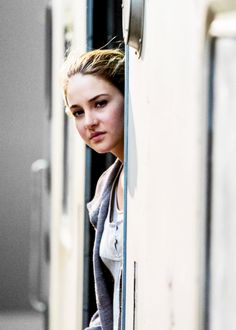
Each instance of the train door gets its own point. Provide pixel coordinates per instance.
(67, 178)
(166, 167)
(74, 169)
(222, 164)
(104, 29)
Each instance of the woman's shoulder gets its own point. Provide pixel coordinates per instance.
(104, 185)
(108, 176)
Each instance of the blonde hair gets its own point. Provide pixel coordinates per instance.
(104, 63)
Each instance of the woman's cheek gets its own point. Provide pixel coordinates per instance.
(81, 131)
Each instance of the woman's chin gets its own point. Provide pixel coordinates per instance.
(100, 150)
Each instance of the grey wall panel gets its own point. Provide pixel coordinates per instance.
(21, 140)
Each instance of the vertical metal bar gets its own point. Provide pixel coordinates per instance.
(209, 181)
(87, 242)
(223, 207)
(48, 59)
(126, 124)
(134, 295)
(89, 24)
(37, 237)
(88, 164)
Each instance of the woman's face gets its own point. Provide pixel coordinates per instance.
(98, 108)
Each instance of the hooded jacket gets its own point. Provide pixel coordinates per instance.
(98, 208)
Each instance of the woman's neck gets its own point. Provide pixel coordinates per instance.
(120, 190)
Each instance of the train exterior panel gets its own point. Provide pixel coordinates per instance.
(166, 170)
(178, 104)
(173, 230)
(68, 172)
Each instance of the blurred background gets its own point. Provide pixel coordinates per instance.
(22, 104)
(26, 133)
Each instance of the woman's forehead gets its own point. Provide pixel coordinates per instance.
(85, 87)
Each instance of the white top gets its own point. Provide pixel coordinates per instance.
(111, 251)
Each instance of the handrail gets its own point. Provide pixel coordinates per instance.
(39, 171)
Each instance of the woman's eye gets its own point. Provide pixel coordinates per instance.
(101, 104)
(78, 113)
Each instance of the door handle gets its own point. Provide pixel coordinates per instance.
(39, 236)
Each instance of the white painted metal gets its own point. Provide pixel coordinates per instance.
(166, 170)
(166, 176)
(67, 226)
(224, 25)
(223, 266)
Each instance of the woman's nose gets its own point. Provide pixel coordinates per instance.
(90, 121)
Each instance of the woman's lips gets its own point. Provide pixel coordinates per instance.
(97, 136)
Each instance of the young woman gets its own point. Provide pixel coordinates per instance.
(93, 86)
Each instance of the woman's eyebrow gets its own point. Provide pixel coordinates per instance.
(74, 106)
(97, 96)
(90, 100)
